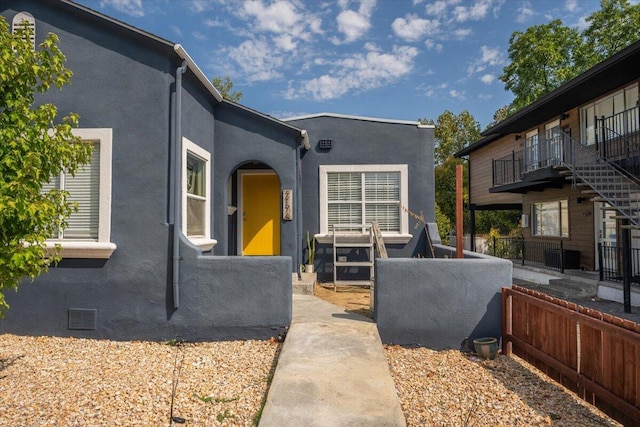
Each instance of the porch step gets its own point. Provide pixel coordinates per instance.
(305, 285)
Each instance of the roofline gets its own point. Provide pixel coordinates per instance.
(370, 119)
(561, 90)
(197, 71)
(302, 132)
(177, 48)
(117, 22)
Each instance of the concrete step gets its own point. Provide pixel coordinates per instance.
(303, 286)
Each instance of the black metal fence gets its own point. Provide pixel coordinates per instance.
(543, 254)
(610, 258)
(507, 169)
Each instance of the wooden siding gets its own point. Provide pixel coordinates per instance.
(482, 172)
(581, 221)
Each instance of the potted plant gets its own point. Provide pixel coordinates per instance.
(311, 252)
(486, 347)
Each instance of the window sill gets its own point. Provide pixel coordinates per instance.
(83, 249)
(203, 243)
(389, 239)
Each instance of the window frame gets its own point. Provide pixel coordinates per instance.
(101, 248)
(204, 242)
(401, 237)
(534, 219)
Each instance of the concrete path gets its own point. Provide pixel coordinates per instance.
(332, 371)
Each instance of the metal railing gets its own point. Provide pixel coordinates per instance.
(618, 139)
(610, 259)
(507, 169)
(544, 254)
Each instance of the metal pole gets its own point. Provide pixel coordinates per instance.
(459, 213)
(561, 257)
(600, 258)
(625, 243)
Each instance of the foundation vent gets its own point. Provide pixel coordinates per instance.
(83, 318)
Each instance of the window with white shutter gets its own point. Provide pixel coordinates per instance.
(361, 194)
(88, 230)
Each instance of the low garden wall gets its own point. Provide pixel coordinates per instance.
(437, 302)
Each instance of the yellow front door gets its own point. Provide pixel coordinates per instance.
(261, 214)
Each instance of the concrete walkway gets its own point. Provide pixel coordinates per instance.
(332, 371)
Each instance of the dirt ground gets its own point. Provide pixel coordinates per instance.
(356, 299)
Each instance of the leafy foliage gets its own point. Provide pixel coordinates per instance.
(452, 133)
(33, 148)
(615, 26)
(225, 86)
(542, 58)
(545, 56)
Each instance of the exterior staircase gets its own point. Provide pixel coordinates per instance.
(602, 179)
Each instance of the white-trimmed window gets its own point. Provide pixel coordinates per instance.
(550, 218)
(88, 230)
(360, 194)
(196, 195)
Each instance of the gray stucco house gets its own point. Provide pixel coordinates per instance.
(193, 212)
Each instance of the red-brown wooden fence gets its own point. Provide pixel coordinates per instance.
(595, 354)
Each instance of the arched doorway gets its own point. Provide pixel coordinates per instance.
(258, 217)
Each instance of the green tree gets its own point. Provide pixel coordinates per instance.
(225, 86)
(615, 26)
(452, 133)
(542, 58)
(501, 114)
(33, 148)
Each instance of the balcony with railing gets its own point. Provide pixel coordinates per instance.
(617, 139)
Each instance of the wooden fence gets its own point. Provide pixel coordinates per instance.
(594, 354)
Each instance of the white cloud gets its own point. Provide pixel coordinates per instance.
(176, 30)
(436, 8)
(354, 24)
(413, 28)
(211, 23)
(277, 18)
(199, 36)
(285, 42)
(431, 45)
(199, 6)
(130, 7)
(571, 5)
(475, 12)
(457, 95)
(491, 56)
(359, 72)
(487, 79)
(525, 12)
(461, 33)
(256, 60)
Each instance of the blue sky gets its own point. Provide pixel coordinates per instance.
(395, 59)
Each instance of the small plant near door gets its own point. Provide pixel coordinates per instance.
(311, 252)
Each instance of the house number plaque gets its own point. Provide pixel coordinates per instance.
(287, 205)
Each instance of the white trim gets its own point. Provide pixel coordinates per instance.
(102, 248)
(240, 217)
(403, 236)
(206, 243)
(197, 71)
(364, 118)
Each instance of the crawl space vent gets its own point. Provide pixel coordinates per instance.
(326, 144)
(83, 318)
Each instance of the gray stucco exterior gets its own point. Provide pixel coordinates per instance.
(367, 141)
(126, 81)
(436, 303)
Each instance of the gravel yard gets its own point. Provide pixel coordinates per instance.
(79, 382)
(447, 388)
(48, 381)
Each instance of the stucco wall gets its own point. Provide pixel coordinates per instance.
(359, 142)
(437, 302)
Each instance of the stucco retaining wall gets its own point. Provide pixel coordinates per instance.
(437, 302)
